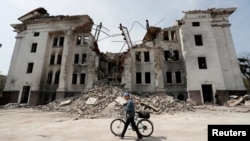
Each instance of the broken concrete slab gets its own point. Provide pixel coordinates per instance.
(247, 103)
(120, 100)
(65, 102)
(91, 101)
(112, 104)
(234, 102)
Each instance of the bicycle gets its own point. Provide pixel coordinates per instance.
(145, 126)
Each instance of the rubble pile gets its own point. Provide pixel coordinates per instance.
(239, 100)
(107, 101)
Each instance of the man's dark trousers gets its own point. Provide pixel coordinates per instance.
(128, 121)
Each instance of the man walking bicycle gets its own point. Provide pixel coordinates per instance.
(130, 113)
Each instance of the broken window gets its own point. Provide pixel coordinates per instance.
(138, 78)
(176, 55)
(165, 35)
(178, 77)
(61, 41)
(84, 58)
(147, 78)
(57, 76)
(198, 40)
(52, 59)
(85, 40)
(202, 63)
(55, 41)
(76, 59)
(169, 77)
(173, 35)
(74, 78)
(82, 78)
(166, 54)
(30, 67)
(33, 47)
(146, 56)
(138, 56)
(59, 59)
(196, 23)
(50, 75)
(36, 34)
(78, 40)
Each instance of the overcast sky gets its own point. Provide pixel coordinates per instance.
(131, 13)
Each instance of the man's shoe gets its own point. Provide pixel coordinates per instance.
(139, 139)
(120, 136)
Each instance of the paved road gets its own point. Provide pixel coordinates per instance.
(35, 125)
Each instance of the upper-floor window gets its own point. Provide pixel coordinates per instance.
(173, 35)
(169, 77)
(78, 40)
(57, 77)
(59, 59)
(84, 58)
(82, 40)
(198, 40)
(30, 67)
(82, 78)
(202, 63)
(52, 59)
(195, 23)
(165, 35)
(138, 56)
(76, 59)
(85, 39)
(169, 35)
(176, 55)
(49, 80)
(178, 76)
(33, 47)
(171, 55)
(36, 34)
(146, 56)
(74, 78)
(147, 77)
(58, 41)
(61, 41)
(138, 78)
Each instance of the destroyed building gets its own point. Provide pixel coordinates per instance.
(54, 57)
(57, 56)
(194, 59)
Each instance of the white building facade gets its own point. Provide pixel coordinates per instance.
(57, 56)
(210, 57)
(54, 57)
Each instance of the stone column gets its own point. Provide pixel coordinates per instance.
(63, 72)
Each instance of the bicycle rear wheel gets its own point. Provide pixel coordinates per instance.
(117, 126)
(145, 127)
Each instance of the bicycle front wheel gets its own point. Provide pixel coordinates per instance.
(117, 126)
(145, 127)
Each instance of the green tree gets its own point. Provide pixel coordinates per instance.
(244, 62)
(2, 82)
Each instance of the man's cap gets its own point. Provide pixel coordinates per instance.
(126, 94)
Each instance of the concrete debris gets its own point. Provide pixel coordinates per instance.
(65, 102)
(120, 100)
(91, 101)
(15, 105)
(234, 102)
(237, 100)
(107, 101)
(247, 103)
